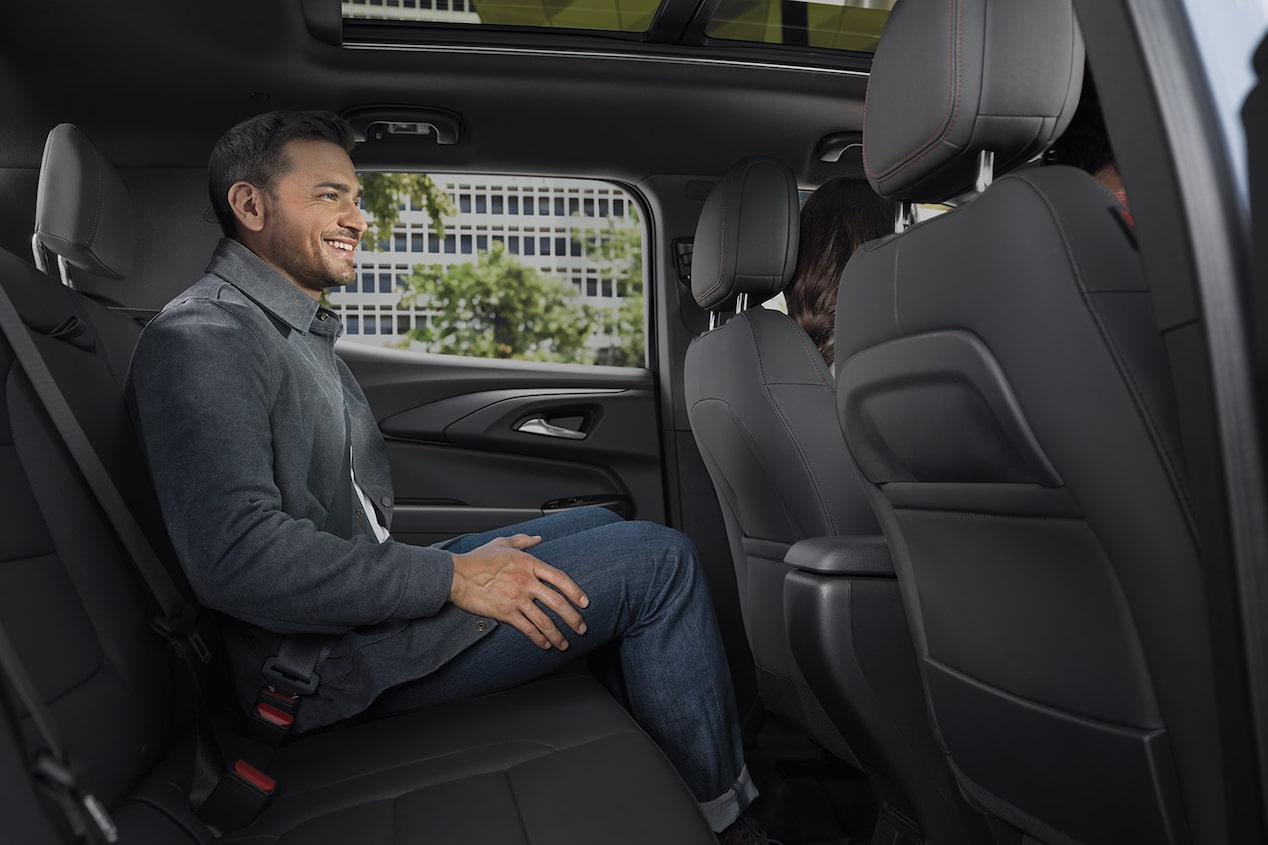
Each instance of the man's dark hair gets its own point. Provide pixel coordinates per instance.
(255, 151)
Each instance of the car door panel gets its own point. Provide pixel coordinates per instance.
(478, 444)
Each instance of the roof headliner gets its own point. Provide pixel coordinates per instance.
(154, 83)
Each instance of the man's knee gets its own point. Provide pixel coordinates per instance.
(595, 517)
(660, 543)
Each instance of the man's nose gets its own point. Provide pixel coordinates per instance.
(354, 219)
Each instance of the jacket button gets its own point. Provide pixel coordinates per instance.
(358, 513)
(386, 501)
(481, 625)
(323, 316)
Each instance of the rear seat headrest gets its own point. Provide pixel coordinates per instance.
(952, 78)
(83, 211)
(746, 240)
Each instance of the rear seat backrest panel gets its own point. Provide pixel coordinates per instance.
(69, 598)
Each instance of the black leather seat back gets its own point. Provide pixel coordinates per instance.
(762, 408)
(1005, 395)
(69, 597)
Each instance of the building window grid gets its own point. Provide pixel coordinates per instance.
(563, 213)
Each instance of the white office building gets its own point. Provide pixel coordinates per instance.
(543, 223)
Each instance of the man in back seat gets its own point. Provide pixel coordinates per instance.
(275, 487)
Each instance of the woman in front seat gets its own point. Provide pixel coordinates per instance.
(835, 221)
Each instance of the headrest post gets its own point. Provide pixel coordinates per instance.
(715, 320)
(63, 270)
(741, 302)
(904, 216)
(41, 258)
(985, 170)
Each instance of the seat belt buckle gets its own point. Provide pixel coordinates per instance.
(273, 716)
(279, 679)
(238, 798)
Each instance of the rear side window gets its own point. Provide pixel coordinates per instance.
(515, 267)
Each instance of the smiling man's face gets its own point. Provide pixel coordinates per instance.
(313, 221)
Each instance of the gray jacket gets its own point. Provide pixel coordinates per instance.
(239, 400)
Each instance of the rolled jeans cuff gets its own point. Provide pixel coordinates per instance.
(722, 811)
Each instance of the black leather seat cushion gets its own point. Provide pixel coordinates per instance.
(555, 761)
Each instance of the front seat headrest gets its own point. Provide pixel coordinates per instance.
(952, 78)
(83, 211)
(746, 240)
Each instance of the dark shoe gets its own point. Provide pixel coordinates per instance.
(745, 831)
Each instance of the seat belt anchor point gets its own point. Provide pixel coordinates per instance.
(58, 777)
(181, 631)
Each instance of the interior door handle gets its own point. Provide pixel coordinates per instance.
(538, 425)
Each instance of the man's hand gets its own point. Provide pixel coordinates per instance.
(500, 581)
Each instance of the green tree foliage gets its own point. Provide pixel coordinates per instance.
(381, 195)
(383, 192)
(619, 254)
(498, 308)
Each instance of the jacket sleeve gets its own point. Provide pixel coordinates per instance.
(201, 390)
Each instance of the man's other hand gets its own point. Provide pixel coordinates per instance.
(501, 581)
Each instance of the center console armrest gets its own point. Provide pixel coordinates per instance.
(862, 554)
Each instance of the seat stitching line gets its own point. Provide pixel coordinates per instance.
(953, 101)
(1170, 464)
(750, 443)
(814, 481)
(1035, 517)
(519, 815)
(435, 757)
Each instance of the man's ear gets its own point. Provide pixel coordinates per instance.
(249, 204)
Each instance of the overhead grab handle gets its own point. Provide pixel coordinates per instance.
(832, 147)
(373, 123)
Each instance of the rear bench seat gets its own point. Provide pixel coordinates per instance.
(557, 761)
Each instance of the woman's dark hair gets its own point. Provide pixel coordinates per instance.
(1085, 143)
(837, 218)
(255, 151)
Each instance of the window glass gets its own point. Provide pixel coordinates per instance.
(606, 15)
(853, 25)
(493, 287)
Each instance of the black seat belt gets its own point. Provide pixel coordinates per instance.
(293, 672)
(52, 768)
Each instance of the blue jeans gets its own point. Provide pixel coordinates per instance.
(647, 594)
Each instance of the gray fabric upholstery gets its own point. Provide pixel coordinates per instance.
(83, 210)
(746, 240)
(1007, 398)
(937, 94)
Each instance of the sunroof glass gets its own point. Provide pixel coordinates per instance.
(823, 24)
(605, 15)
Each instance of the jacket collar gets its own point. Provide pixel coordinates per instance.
(268, 288)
